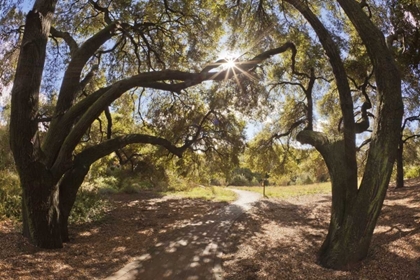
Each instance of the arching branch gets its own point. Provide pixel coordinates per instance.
(364, 4)
(409, 119)
(158, 79)
(290, 130)
(67, 38)
(104, 10)
(346, 102)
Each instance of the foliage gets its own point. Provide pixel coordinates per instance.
(285, 164)
(111, 61)
(412, 172)
(10, 195)
(89, 206)
(10, 191)
(6, 157)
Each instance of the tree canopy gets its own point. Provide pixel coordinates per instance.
(89, 78)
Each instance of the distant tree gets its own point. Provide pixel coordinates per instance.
(400, 152)
(404, 41)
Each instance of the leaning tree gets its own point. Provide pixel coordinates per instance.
(364, 71)
(104, 51)
(151, 45)
(355, 209)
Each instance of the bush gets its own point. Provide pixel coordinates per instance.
(105, 184)
(216, 182)
(280, 181)
(133, 185)
(239, 180)
(89, 206)
(10, 195)
(178, 183)
(304, 179)
(412, 172)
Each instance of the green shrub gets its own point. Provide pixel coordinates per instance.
(104, 184)
(131, 187)
(89, 206)
(281, 180)
(412, 172)
(178, 183)
(10, 195)
(239, 180)
(304, 179)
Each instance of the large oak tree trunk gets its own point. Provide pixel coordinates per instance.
(353, 215)
(336, 251)
(354, 212)
(40, 208)
(39, 186)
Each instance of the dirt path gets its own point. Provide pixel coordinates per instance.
(181, 238)
(195, 250)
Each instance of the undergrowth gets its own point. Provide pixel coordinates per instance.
(10, 195)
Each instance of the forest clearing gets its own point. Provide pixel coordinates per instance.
(136, 135)
(276, 239)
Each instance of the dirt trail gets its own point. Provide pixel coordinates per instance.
(194, 251)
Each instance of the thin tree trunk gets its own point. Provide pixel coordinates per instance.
(400, 166)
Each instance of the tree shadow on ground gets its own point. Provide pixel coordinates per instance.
(138, 226)
(280, 239)
(277, 239)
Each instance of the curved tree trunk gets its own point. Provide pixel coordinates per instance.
(340, 231)
(354, 213)
(39, 186)
(73, 178)
(69, 187)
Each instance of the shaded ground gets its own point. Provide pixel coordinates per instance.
(97, 250)
(277, 239)
(194, 251)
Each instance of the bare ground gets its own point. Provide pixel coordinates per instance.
(277, 239)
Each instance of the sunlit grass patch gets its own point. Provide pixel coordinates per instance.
(291, 191)
(206, 192)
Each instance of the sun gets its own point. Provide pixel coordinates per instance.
(230, 63)
(230, 59)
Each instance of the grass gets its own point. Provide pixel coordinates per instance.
(209, 193)
(291, 191)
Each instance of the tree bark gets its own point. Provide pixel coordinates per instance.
(333, 152)
(354, 214)
(73, 178)
(400, 166)
(39, 189)
(40, 207)
(353, 218)
(69, 187)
